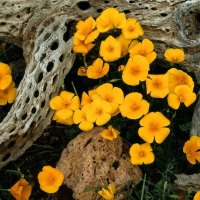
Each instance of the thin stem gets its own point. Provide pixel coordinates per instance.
(48, 196)
(17, 172)
(84, 61)
(143, 187)
(6, 190)
(74, 88)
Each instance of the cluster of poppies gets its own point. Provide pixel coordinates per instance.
(115, 39)
(7, 85)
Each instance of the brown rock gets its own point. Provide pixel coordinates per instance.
(89, 162)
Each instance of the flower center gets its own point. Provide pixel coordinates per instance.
(157, 84)
(181, 98)
(154, 127)
(99, 111)
(130, 28)
(141, 154)
(135, 107)
(135, 71)
(110, 48)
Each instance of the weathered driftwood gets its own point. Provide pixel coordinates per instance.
(42, 29)
(187, 182)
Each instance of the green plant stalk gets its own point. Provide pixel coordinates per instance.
(4, 190)
(74, 88)
(143, 187)
(164, 190)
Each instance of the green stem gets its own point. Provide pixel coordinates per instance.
(5, 190)
(17, 172)
(143, 187)
(74, 88)
(62, 82)
(84, 61)
(48, 197)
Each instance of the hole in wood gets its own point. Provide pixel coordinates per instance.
(83, 5)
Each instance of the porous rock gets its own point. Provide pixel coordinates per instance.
(89, 162)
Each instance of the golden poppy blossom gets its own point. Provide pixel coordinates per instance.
(82, 71)
(21, 190)
(192, 149)
(98, 69)
(5, 76)
(197, 196)
(108, 193)
(67, 121)
(179, 77)
(126, 44)
(133, 29)
(80, 47)
(113, 95)
(134, 106)
(144, 48)
(65, 104)
(50, 179)
(110, 133)
(99, 111)
(79, 117)
(85, 30)
(174, 55)
(8, 95)
(141, 154)
(110, 49)
(157, 85)
(182, 94)
(154, 127)
(136, 70)
(110, 18)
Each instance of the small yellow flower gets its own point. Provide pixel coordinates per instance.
(65, 104)
(141, 154)
(8, 95)
(79, 117)
(110, 133)
(197, 196)
(154, 127)
(5, 76)
(182, 94)
(81, 47)
(21, 190)
(85, 30)
(136, 70)
(192, 149)
(179, 77)
(157, 85)
(108, 193)
(144, 48)
(82, 71)
(113, 95)
(110, 49)
(67, 121)
(133, 29)
(126, 44)
(98, 69)
(50, 179)
(174, 55)
(110, 18)
(121, 68)
(134, 106)
(99, 111)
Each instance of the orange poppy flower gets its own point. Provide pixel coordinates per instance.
(50, 179)
(141, 154)
(136, 70)
(21, 190)
(154, 126)
(144, 48)
(110, 133)
(110, 18)
(134, 106)
(133, 29)
(192, 149)
(197, 196)
(110, 49)
(5, 76)
(174, 55)
(108, 193)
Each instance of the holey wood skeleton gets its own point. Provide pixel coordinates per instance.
(44, 30)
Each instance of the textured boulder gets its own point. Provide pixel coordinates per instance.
(89, 161)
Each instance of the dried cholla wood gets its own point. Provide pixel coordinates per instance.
(89, 161)
(188, 182)
(42, 29)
